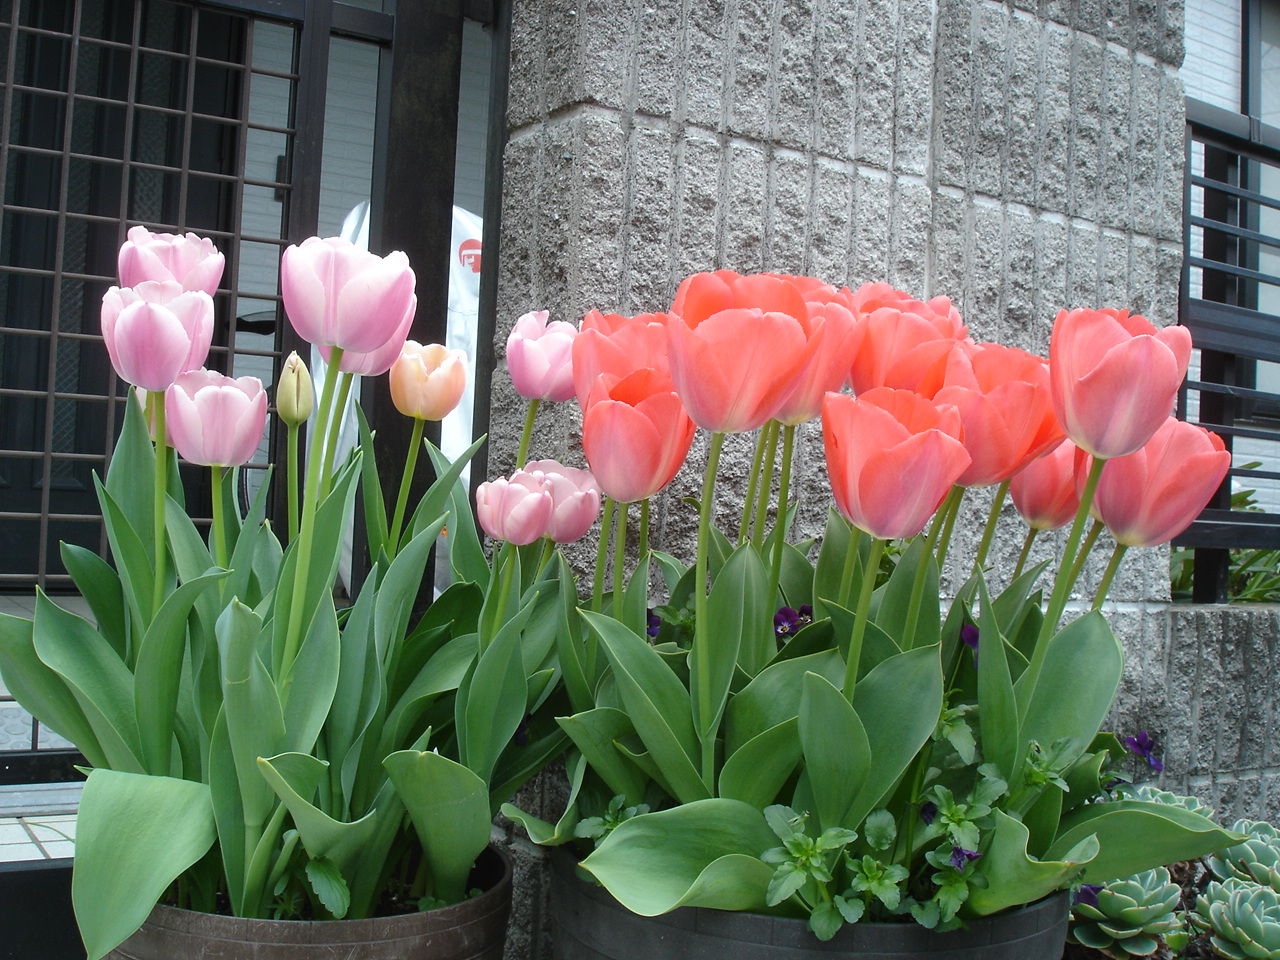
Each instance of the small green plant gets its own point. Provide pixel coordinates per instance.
(1241, 918)
(1152, 794)
(1255, 860)
(1127, 918)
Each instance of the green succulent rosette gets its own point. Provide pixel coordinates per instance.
(1241, 918)
(1130, 917)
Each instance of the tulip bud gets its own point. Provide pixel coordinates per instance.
(295, 396)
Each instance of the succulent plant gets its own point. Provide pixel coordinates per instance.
(1242, 919)
(1256, 859)
(1145, 791)
(1128, 918)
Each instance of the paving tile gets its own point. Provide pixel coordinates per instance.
(19, 852)
(60, 850)
(47, 832)
(11, 831)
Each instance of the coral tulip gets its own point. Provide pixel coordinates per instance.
(829, 332)
(939, 311)
(215, 420)
(338, 295)
(705, 294)
(635, 433)
(516, 509)
(1002, 394)
(295, 393)
(575, 499)
(906, 348)
(1150, 496)
(892, 457)
(428, 381)
(540, 357)
(609, 343)
(1047, 491)
(192, 262)
(376, 362)
(155, 331)
(1114, 377)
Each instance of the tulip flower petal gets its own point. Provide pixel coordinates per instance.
(1120, 403)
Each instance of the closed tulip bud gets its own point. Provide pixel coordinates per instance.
(428, 381)
(295, 395)
(1046, 491)
(540, 357)
(192, 262)
(215, 420)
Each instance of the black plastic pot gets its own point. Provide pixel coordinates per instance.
(590, 925)
(475, 929)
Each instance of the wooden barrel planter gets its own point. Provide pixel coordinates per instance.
(590, 925)
(472, 930)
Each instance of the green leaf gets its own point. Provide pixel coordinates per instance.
(313, 681)
(466, 555)
(1008, 608)
(796, 577)
(491, 701)
(895, 603)
(838, 540)
(329, 886)
(837, 755)
(880, 829)
(131, 476)
(774, 696)
(699, 854)
(136, 835)
(657, 703)
(100, 587)
(672, 569)
(562, 831)
(1136, 835)
(375, 510)
(757, 770)
(825, 921)
(742, 613)
(131, 553)
(877, 646)
(449, 806)
(998, 707)
(593, 732)
(1014, 877)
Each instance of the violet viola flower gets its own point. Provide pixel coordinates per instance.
(1087, 894)
(928, 812)
(653, 623)
(969, 637)
(961, 858)
(788, 620)
(1144, 746)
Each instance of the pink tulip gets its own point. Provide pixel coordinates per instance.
(540, 357)
(1003, 397)
(1150, 496)
(1047, 491)
(735, 369)
(338, 295)
(575, 499)
(635, 434)
(518, 509)
(903, 348)
(939, 311)
(609, 343)
(376, 362)
(192, 262)
(829, 335)
(155, 331)
(1114, 377)
(427, 382)
(215, 420)
(892, 457)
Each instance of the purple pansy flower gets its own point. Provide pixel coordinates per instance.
(653, 622)
(788, 620)
(1087, 894)
(1144, 746)
(928, 812)
(961, 858)
(969, 637)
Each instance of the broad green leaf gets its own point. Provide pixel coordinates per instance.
(998, 707)
(294, 777)
(635, 602)
(553, 834)
(594, 733)
(576, 646)
(329, 886)
(1042, 820)
(895, 602)
(521, 763)
(723, 636)
(1136, 835)
(657, 703)
(491, 701)
(837, 541)
(739, 605)
(246, 543)
(774, 696)
(100, 587)
(502, 598)
(957, 616)
(137, 834)
(444, 672)
(1009, 606)
(132, 556)
(228, 814)
(837, 754)
(672, 569)
(796, 577)
(760, 767)
(131, 476)
(1014, 877)
(700, 854)
(313, 680)
(359, 688)
(398, 591)
(449, 806)
(436, 502)
(466, 555)
(877, 646)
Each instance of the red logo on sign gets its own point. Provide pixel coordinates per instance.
(469, 254)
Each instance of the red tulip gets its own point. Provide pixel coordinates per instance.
(1002, 394)
(609, 343)
(940, 311)
(192, 262)
(892, 457)
(215, 420)
(635, 433)
(1150, 496)
(1114, 377)
(901, 342)
(829, 338)
(1047, 491)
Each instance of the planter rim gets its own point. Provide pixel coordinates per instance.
(333, 932)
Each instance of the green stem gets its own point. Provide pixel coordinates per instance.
(259, 845)
(310, 498)
(946, 521)
(602, 552)
(1085, 549)
(156, 399)
(644, 526)
(548, 548)
(917, 780)
(1032, 533)
(522, 454)
(702, 654)
(780, 526)
(753, 484)
(293, 482)
(619, 557)
(335, 427)
(219, 519)
(860, 615)
(917, 585)
(1104, 586)
(504, 590)
(406, 481)
(989, 532)
(766, 484)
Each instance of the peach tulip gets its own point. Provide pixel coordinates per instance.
(940, 311)
(1114, 377)
(540, 357)
(517, 509)
(192, 262)
(428, 381)
(892, 457)
(155, 331)
(1150, 496)
(828, 328)
(1002, 394)
(1047, 491)
(376, 362)
(905, 347)
(609, 343)
(338, 295)
(215, 420)
(635, 433)
(575, 497)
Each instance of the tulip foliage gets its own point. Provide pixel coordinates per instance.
(809, 728)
